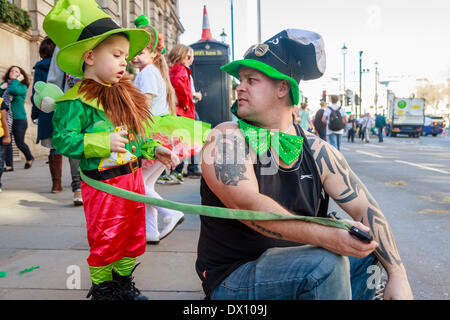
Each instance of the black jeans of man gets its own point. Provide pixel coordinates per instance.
(351, 135)
(19, 128)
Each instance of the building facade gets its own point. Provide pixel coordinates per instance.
(21, 48)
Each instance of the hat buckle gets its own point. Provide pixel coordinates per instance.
(261, 49)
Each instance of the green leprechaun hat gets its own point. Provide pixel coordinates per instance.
(77, 26)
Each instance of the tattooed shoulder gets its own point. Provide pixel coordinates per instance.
(231, 153)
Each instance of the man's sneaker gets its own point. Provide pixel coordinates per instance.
(177, 177)
(166, 179)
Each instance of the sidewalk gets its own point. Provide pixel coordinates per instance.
(38, 228)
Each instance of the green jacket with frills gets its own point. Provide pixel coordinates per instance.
(82, 131)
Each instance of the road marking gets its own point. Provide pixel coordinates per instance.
(369, 154)
(374, 146)
(421, 166)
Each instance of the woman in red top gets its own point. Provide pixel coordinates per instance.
(180, 77)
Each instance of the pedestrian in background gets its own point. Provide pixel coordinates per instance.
(335, 118)
(359, 124)
(367, 126)
(65, 82)
(380, 123)
(305, 119)
(351, 128)
(44, 119)
(5, 138)
(321, 128)
(13, 90)
(192, 169)
(180, 77)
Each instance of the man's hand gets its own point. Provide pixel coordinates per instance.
(343, 243)
(397, 287)
(168, 158)
(117, 141)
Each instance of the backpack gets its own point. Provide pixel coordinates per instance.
(336, 123)
(318, 124)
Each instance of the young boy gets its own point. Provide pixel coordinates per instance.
(101, 122)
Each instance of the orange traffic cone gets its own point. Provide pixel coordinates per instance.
(206, 32)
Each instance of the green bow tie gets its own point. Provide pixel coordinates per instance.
(288, 147)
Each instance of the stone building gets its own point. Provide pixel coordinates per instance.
(22, 47)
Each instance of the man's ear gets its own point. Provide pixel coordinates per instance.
(284, 88)
(89, 57)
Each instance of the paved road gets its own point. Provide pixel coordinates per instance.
(410, 179)
(38, 228)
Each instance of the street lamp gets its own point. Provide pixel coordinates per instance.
(361, 71)
(223, 35)
(258, 6)
(376, 88)
(344, 52)
(232, 31)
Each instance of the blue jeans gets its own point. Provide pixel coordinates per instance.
(380, 134)
(300, 273)
(335, 140)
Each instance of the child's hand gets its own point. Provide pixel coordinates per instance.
(4, 85)
(20, 77)
(118, 141)
(166, 157)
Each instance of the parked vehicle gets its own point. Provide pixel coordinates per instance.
(433, 125)
(406, 116)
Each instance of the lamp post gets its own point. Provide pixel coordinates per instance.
(360, 84)
(375, 99)
(361, 71)
(344, 52)
(232, 32)
(258, 4)
(223, 35)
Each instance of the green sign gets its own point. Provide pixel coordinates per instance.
(401, 104)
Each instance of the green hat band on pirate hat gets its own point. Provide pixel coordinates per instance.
(291, 55)
(233, 69)
(77, 26)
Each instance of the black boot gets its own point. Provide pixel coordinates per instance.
(129, 290)
(108, 290)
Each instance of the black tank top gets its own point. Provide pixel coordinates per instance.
(225, 244)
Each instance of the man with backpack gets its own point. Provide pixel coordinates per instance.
(321, 128)
(335, 118)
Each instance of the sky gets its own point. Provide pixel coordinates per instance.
(408, 38)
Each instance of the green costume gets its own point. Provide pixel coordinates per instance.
(82, 131)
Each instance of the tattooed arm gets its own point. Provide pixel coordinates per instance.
(347, 190)
(227, 168)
